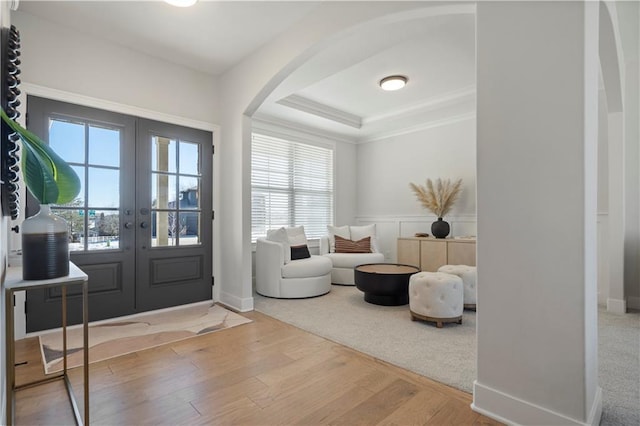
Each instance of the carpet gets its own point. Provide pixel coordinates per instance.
(448, 355)
(109, 339)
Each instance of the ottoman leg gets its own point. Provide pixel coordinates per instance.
(439, 324)
(460, 321)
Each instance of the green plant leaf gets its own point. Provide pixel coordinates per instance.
(38, 176)
(47, 176)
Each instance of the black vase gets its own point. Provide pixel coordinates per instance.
(440, 228)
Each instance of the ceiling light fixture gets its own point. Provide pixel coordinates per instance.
(181, 3)
(393, 82)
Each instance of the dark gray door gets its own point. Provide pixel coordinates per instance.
(134, 183)
(173, 229)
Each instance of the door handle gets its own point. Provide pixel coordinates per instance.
(144, 225)
(128, 225)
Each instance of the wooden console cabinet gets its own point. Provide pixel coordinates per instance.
(429, 253)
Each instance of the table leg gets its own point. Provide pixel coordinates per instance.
(64, 329)
(10, 357)
(85, 326)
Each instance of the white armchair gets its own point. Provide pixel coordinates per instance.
(295, 279)
(344, 263)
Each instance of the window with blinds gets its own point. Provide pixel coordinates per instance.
(291, 185)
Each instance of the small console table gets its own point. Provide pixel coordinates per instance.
(13, 283)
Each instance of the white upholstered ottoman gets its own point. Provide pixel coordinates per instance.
(436, 297)
(469, 278)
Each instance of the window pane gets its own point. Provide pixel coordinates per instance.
(104, 146)
(190, 228)
(189, 158)
(163, 191)
(163, 154)
(104, 187)
(189, 193)
(67, 140)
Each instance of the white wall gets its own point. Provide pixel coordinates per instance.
(537, 314)
(386, 167)
(629, 21)
(64, 59)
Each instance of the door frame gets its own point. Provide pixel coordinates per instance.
(15, 243)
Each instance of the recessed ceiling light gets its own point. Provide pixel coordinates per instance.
(181, 3)
(393, 82)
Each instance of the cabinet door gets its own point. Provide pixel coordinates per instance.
(433, 254)
(461, 253)
(409, 252)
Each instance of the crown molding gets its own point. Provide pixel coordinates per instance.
(321, 110)
(262, 120)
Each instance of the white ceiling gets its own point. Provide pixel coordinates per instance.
(336, 91)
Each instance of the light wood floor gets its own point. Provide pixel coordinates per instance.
(263, 373)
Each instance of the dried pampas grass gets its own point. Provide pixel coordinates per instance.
(438, 199)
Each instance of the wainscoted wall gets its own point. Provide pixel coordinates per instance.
(391, 228)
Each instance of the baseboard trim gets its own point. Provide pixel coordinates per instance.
(515, 411)
(633, 302)
(237, 303)
(617, 306)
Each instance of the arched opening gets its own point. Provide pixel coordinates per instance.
(452, 108)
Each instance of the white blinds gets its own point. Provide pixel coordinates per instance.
(291, 185)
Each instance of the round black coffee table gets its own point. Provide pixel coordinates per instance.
(384, 283)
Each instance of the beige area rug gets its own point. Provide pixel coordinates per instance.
(120, 337)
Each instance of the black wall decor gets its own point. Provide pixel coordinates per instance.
(9, 92)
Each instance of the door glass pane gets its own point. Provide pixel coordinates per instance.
(189, 158)
(163, 191)
(190, 231)
(189, 193)
(163, 154)
(104, 187)
(163, 231)
(104, 230)
(67, 140)
(104, 146)
(75, 224)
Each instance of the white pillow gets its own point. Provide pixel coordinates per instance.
(280, 236)
(296, 235)
(298, 242)
(340, 231)
(364, 231)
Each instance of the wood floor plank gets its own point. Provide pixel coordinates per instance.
(262, 373)
(344, 400)
(418, 410)
(380, 405)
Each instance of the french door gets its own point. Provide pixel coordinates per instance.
(141, 226)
